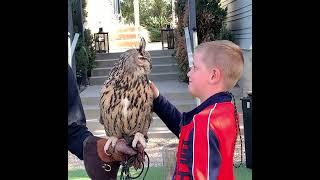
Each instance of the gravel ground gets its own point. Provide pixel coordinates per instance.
(154, 150)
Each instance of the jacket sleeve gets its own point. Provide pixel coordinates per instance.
(76, 137)
(75, 109)
(77, 130)
(168, 113)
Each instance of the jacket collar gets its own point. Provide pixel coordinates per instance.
(216, 98)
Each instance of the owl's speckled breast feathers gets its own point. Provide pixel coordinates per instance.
(126, 97)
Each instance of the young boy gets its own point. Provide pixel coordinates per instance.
(206, 134)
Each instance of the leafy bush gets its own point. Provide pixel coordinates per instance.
(84, 51)
(153, 13)
(155, 34)
(211, 26)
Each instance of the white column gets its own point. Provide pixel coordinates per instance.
(173, 15)
(69, 51)
(136, 15)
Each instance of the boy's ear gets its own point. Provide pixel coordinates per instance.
(215, 75)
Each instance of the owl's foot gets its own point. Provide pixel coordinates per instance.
(138, 137)
(111, 140)
(138, 162)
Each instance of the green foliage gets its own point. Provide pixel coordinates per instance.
(210, 12)
(84, 51)
(156, 173)
(155, 34)
(153, 13)
(89, 41)
(127, 11)
(84, 11)
(180, 46)
(179, 7)
(82, 58)
(210, 17)
(226, 34)
(85, 54)
(161, 14)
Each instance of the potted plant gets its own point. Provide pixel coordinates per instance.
(89, 41)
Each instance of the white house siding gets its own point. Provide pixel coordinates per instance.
(239, 20)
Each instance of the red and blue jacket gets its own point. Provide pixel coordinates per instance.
(206, 137)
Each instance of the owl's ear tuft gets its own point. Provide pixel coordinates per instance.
(142, 45)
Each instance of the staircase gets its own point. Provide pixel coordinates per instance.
(124, 36)
(164, 66)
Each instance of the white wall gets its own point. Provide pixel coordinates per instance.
(239, 20)
(246, 80)
(101, 14)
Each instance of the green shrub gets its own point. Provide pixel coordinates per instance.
(210, 17)
(155, 34)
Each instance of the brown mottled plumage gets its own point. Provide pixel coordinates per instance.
(126, 97)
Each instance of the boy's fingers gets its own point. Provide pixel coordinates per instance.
(154, 89)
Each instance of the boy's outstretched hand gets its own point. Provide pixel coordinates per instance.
(154, 90)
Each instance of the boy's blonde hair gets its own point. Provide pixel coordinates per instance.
(226, 56)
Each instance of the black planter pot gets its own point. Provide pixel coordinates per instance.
(247, 122)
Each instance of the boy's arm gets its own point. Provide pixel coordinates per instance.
(168, 113)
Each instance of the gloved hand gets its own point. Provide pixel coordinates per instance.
(102, 165)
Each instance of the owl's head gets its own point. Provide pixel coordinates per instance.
(137, 60)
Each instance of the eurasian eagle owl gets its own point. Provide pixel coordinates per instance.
(126, 98)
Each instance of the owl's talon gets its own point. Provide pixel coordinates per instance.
(111, 140)
(138, 137)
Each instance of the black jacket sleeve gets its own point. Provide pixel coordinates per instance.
(77, 130)
(168, 113)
